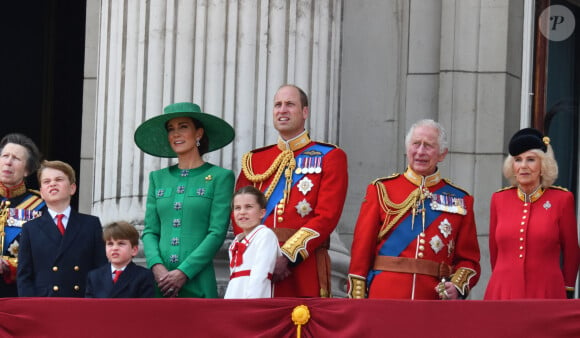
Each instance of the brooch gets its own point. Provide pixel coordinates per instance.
(445, 228)
(436, 243)
(305, 185)
(303, 208)
(547, 205)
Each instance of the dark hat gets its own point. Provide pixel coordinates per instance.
(526, 139)
(151, 135)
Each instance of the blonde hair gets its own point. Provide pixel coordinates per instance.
(549, 167)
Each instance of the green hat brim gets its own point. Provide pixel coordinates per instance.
(151, 135)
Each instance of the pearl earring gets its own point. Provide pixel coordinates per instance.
(197, 143)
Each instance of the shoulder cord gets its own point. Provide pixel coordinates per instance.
(394, 209)
(285, 160)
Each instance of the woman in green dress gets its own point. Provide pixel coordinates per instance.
(188, 204)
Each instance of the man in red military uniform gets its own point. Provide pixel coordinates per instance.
(305, 183)
(415, 237)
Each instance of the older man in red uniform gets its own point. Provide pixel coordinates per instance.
(415, 236)
(305, 183)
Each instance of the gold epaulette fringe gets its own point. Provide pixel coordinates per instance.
(558, 187)
(506, 188)
(380, 179)
(448, 181)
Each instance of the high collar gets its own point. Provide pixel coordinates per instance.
(534, 196)
(295, 143)
(10, 192)
(425, 181)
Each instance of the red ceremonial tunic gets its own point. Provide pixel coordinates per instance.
(313, 212)
(450, 238)
(527, 241)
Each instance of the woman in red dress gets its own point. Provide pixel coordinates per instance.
(533, 237)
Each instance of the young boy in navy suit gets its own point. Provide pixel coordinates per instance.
(121, 278)
(58, 249)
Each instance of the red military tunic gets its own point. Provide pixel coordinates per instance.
(526, 242)
(448, 238)
(305, 219)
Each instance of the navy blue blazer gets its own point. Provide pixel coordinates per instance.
(135, 282)
(55, 265)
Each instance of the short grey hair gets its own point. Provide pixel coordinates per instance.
(442, 140)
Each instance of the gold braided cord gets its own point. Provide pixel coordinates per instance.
(394, 209)
(284, 163)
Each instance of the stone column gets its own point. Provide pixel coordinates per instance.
(229, 57)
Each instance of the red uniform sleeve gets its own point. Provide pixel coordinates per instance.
(569, 240)
(366, 231)
(330, 201)
(492, 228)
(467, 247)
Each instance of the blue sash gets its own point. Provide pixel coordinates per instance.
(402, 235)
(278, 192)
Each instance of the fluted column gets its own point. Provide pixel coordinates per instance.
(228, 56)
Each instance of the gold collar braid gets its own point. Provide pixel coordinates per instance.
(10, 192)
(534, 196)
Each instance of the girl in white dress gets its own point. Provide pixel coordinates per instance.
(253, 252)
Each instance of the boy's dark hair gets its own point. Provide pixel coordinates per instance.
(249, 189)
(121, 230)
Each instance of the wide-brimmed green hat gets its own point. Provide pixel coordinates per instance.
(151, 135)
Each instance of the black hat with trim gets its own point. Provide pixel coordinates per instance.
(527, 139)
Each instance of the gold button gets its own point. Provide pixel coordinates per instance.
(77, 288)
(422, 241)
(55, 268)
(521, 248)
(422, 234)
(420, 255)
(421, 247)
(521, 256)
(521, 239)
(280, 212)
(76, 268)
(525, 211)
(280, 206)
(524, 217)
(55, 288)
(523, 223)
(280, 219)
(521, 230)
(525, 204)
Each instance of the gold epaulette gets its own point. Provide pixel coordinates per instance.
(448, 181)
(327, 144)
(558, 187)
(506, 188)
(380, 179)
(34, 191)
(257, 150)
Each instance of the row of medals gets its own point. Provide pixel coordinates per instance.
(308, 165)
